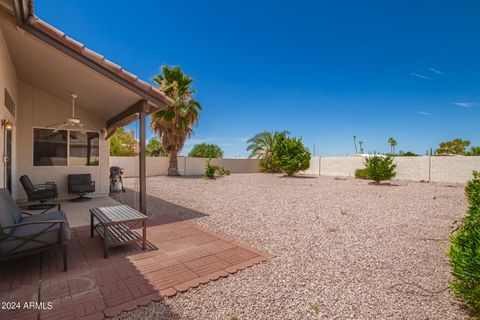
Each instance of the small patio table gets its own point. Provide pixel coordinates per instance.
(111, 224)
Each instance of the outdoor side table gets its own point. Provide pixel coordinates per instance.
(111, 224)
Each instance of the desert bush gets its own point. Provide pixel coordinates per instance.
(464, 251)
(290, 155)
(380, 168)
(362, 174)
(211, 170)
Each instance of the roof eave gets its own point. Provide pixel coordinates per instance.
(52, 36)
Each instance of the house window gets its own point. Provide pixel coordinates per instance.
(65, 148)
(84, 149)
(8, 101)
(49, 147)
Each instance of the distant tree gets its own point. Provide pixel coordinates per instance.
(393, 143)
(355, 143)
(407, 154)
(261, 147)
(155, 149)
(360, 144)
(122, 144)
(290, 155)
(456, 146)
(204, 150)
(474, 151)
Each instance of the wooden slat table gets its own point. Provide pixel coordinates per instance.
(111, 224)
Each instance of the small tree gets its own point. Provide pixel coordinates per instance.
(464, 251)
(261, 147)
(122, 144)
(456, 146)
(155, 149)
(290, 155)
(204, 150)
(380, 168)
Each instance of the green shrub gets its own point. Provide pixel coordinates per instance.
(380, 168)
(211, 169)
(362, 174)
(290, 155)
(464, 251)
(267, 165)
(204, 150)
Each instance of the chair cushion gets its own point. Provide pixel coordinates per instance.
(19, 246)
(82, 188)
(50, 215)
(10, 213)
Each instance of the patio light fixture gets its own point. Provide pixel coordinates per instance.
(6, 125)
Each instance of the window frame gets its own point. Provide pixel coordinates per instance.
(68, 148)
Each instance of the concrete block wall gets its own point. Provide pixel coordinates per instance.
(157, 166)
(424, 168)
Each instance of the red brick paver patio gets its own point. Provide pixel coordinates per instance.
(180, 255)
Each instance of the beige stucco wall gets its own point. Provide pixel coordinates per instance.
(412, 168)
(340, 166)
(424, 168)
(8, 80)
(157, 166)
(454, 169)
(39, 109)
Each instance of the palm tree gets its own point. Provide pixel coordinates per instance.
(392, 142)
(360, 144)
(175, 123)
(261, 147)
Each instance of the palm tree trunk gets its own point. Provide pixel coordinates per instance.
(173, 165)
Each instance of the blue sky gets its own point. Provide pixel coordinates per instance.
(324, 70)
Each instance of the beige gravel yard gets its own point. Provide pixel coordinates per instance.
(342, 249)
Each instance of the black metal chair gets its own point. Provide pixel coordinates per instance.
(39, 192)
(80, 184)
(22, 233)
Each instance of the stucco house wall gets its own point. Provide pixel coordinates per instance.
(8, 80)
(37, 109)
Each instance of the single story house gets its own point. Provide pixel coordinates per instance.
(40, 69)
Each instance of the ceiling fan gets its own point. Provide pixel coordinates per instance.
(72, 123)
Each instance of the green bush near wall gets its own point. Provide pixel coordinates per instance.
(464, 252)
(362, 174)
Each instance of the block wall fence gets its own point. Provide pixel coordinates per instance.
(422, 168)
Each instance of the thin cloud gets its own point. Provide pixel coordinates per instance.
(241, 139)
(423, 113)
(418, 75)
(464, 104)
(364, 46)
(436, 71)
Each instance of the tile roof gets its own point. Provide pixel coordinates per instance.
(79, 48)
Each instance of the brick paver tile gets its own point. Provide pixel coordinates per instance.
(207, 265)
(116, 293)
(236, 255)
(171, 276)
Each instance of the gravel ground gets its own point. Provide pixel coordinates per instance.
(343, 249)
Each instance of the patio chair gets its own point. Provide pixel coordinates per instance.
(39, 192)
(22, 233)
(80, 184)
